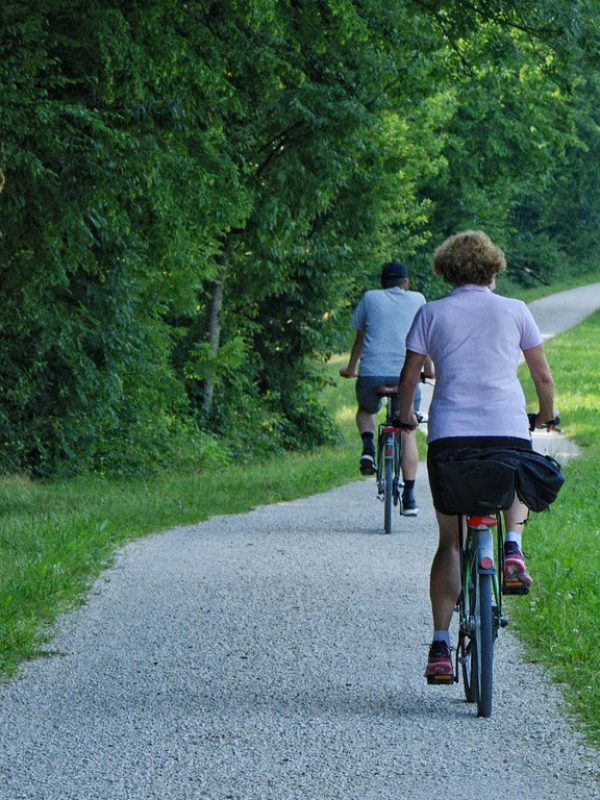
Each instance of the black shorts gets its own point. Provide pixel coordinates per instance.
(370, 402)
(454, 443)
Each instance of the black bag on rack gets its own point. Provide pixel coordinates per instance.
(539, 479)
(483, 481)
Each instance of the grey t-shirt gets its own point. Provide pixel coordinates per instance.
(385, 317)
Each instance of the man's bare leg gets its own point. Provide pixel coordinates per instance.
(365, 422)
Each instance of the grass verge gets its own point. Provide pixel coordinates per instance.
(558, 621)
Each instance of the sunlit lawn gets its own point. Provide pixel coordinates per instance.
(560, 620)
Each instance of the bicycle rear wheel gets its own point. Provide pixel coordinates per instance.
(476, 643)
(397, 478)
(484, 637)
(388, 498)
(379, 468)
(468, 660)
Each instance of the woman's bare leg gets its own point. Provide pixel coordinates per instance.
(515, 517)
(444, 581)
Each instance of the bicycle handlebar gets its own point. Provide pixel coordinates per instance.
(551, 424)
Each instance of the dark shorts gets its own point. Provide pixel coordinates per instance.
(369, 401)
(455, 443)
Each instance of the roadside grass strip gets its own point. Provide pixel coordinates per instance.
(559, 622)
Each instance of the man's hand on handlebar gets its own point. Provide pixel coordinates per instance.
(348, 372)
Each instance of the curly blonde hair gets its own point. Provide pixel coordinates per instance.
(468, 257)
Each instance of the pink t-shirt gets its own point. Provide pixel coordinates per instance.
(475, 339)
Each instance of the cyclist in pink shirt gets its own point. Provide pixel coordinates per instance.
(475, 339)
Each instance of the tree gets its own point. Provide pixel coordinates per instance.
(196, 193)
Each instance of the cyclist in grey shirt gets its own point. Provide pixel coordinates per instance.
(382, 319)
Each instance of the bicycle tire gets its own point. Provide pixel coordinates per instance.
(485, 645)
(379, 477)
(388, 496)
(397, 470)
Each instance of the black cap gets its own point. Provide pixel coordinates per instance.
(394, 269)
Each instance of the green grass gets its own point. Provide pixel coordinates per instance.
(560, 620)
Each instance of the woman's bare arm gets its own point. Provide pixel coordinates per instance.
(541, 376)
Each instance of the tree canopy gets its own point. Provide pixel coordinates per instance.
(197, 192)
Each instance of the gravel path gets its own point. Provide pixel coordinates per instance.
(277, 655)
(563, 310)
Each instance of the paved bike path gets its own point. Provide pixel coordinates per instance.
(563, 310)
(274, 655)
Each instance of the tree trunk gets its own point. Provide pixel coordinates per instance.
(213, 319)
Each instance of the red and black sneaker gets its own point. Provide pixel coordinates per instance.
(439, 664)
(516, 578)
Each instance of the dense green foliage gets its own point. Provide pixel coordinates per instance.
(196, 193)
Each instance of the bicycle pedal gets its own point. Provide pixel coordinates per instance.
(515, 587)
(440, 680)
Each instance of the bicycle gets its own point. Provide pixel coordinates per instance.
(479, 604)
(479, 607)
(389, 456)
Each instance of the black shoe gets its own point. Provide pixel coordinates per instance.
(409, 507)
(367, 464)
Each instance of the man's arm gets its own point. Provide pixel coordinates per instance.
(541, 376)
(350, 370)
(409, 378)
